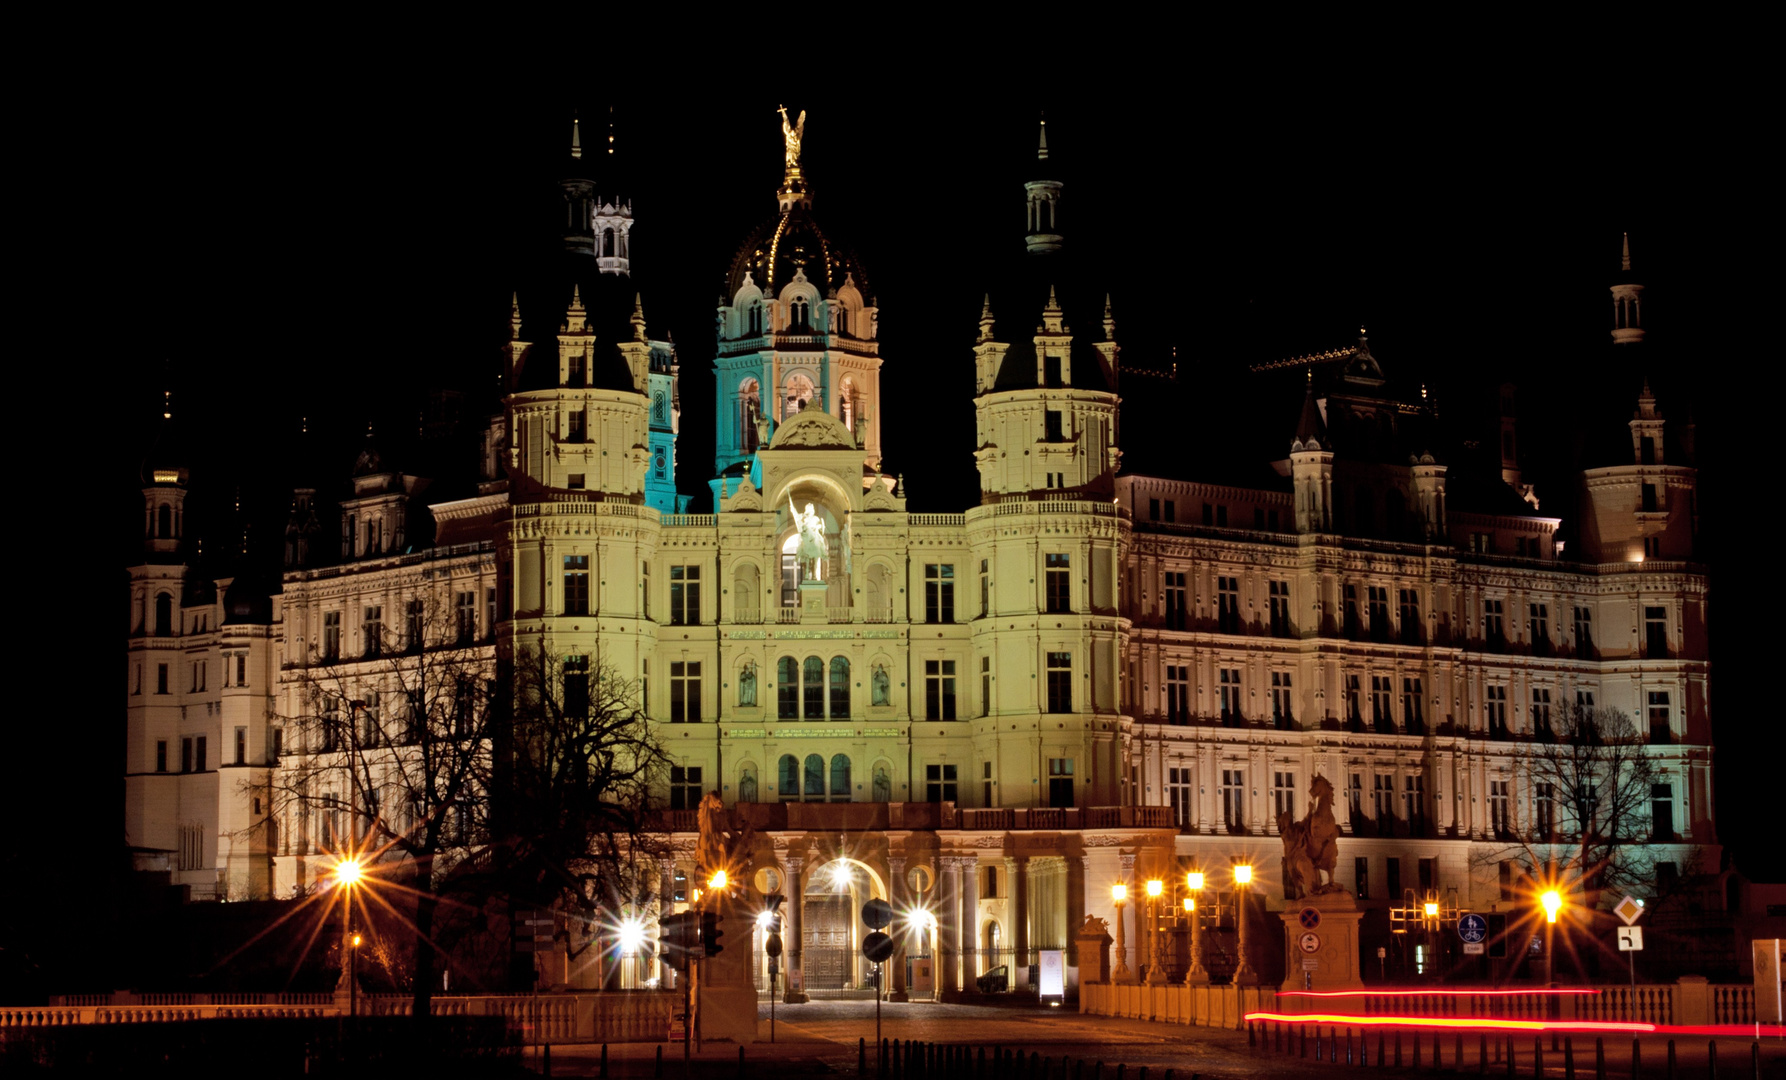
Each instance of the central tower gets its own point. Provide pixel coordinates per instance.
(795, 330)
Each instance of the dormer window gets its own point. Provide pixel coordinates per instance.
(608, 242)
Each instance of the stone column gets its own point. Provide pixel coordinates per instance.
(794, 942)
(1136, 896)
(899, 930)
(1077, 872)
(666, 885)
(1017, 866)
(948, 933)
(969, 925)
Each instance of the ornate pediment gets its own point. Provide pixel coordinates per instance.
(812, 429)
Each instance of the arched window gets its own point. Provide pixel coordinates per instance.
(747, 601)
(756, 318)
(164, 614)
(840, 687)
(812, 684)
(790, 778)
(750, 406)
(840, 778)
(607, 241)
(164, 522)
(846, 402)
(787, 690)
(815, 777)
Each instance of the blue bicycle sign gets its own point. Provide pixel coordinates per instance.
(1472, 928)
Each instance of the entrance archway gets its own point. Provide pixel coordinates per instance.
(831, 922)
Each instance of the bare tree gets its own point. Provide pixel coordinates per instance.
(1590, 821)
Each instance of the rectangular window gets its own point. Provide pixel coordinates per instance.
(1280, 609)
(490, 610)
(1171, 510)
(1661, 812)
(1060, 584)
(1380, 717)
(1353, 716)
(939, 689)
(1283, 793)
(1379, 613)
(1355, 800)
(1500, 808)
(1494, 710)
(1649, 498)
(685, 596)
(985, 686)
(331, 635)
(939, 783)
(1413, 717)
(1544, 811)
(1234, 799)
(160, 755)
(685, 787)
(1052, 428)
(1383, 799)
(464, 707)
(1354, 622)
(161, 678)
(939, 593)
(985, 589)
(465, 618)
(787, 689)
(1208, 514)
(576, 687)
(1411, 629)
(241, 746)
(1507, 879)
(1060, 682)
(1175, 600)
(576, 585)
(1229, 686)
(574, 430)
(1538, 624)
(1541, 713)
(372, 630)
(1153, 509)
(1584, 630)
(1178, 796)
(840, 689)
(1429, 875)
(198, 754)
(1655, 633)
(1414, 802)
(1660, 726)
(1228, 605)
(278, 737)
(1281, 715)
(1494, 623)
(1060, 782)
(986, 797)
(685, 692)
(1393, 876)
(1361, 876)
(186, 754)
(1178, 693)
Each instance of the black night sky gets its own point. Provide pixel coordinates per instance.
(331, 240)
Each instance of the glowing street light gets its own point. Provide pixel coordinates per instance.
(1118, 893)
(631, 936)
(1244, 975)
(718, 881)
(1193, 883)
(348, 873)
(1553, 903)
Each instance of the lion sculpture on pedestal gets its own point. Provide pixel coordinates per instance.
(1311, 846)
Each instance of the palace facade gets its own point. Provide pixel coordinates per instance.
(991, 717)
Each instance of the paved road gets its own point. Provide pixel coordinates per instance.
(820, 1039)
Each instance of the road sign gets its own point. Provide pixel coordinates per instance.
(1630, 938)
(1309, 917)
(1309, 942)
(1309, 963)
(1474, 948)
(877, 914)
(1473, 929)
(877, 947)
(1628, 909)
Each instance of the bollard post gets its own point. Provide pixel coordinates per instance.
(658, 1071)
(1438, 1053)
(1636, 1057)
(741, 1063)
(1302, 1032)
(1481, 1055)
(1380, 1049)
(1537, 1057)
(1755, 1057)
(1670, 1073)
(1509, 1055)
(1398, 1049)
(1711, 1059)
(861, 1056)
(1599, 1059)
(604, 1061)
(1458, 1054)
(1568, 1058)
(1416, 1050)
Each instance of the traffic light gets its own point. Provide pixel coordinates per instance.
(773, 944)
(677, 937)
(711, 933)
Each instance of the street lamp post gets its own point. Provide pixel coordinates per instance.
(1155, 887)
(1553, 903)
(1194, 883)
(1244, 975)
(347, 874)
(1431, 911)
(1118, 893)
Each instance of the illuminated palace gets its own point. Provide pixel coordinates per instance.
(993, 716)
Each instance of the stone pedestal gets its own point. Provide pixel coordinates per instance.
(728, 994)
(1321, 944)
(1094, 952)
(812, 601)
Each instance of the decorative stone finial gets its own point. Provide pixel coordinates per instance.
(576, 139)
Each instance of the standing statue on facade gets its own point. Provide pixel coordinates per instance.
(812, 541)
(1311, 845)
(747, 685)
(792, 135)
(882, 685)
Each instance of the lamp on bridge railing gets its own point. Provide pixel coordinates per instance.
(1118, 893)
(1155, 889)
(1244, 975)
(1193, 883)
(1552, 901)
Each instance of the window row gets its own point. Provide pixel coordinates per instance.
(419, 629)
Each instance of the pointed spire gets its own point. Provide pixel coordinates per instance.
(576, 298)
(638, 319)
(515, 316)
(1053, 321)
(1042, 147)
(610, 129)
(576, 139)
(985, 320)
(1625, 256)
(1311, 431)
(1109, 320)
(575, 317)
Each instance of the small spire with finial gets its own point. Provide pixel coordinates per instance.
(986, 319)
(1625, 256)
(1042, 147)
(1109, 320)
(515, 316)
(610, 129)
(576, 138)
(638, 319)
(167, 404)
